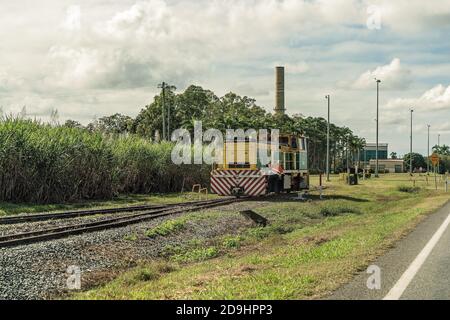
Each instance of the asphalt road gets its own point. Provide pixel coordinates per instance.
(418, 267)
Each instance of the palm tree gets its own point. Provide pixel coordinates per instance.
(442, 150)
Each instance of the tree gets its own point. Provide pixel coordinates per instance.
(115, 124)
(418, 161)
(150, 118)
(442, 150)
(394, 155)
(232, 111)
(72, 124)
(444, 164)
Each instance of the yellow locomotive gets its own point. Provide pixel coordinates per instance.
(241, 175)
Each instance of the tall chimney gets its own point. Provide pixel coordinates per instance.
(279, 91)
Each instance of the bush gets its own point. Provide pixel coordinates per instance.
(40, 163)
(166, 228)
(199, 254)
(231, 242)
(332, 211)
(408, 189)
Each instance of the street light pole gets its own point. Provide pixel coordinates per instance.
(411, 144)
(328, 139)
(376, 151)
(439, 149)
(428, 150)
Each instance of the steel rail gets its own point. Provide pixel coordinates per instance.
(81, 213)
(68, 230)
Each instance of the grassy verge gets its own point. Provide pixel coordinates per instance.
(306, 251)
(8, 208)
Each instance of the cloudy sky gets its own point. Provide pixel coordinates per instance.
(90, 58)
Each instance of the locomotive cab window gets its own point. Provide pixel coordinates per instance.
(294, 142)
(284, 141)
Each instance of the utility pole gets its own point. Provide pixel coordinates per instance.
(428, 150)
(328, 139)
(411, 144)
(164, 86)
(376, 152)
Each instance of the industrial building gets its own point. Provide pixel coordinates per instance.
(388, 165)
(368, 159)
(369, 152)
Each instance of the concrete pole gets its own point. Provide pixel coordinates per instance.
(376, 152)
(428, 151)
(328, 140)
(411, 144)
(439, 162)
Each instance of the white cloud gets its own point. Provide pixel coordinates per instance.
(118, 51)
(297, 68)
(179, 40)
(392, 76)
(9, 81)
(437, 98)
(72, 21)
(414, 15)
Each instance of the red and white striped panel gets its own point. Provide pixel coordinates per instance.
(253, 182)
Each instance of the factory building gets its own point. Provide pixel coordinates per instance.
(368, 159)
(369, 152)
(388, 165)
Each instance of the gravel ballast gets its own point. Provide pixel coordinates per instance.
(39, 271)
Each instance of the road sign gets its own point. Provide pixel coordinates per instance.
(434, 159)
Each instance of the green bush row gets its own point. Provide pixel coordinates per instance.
(40, 163)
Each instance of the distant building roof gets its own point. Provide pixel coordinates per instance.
(387, 160)
(371, 144)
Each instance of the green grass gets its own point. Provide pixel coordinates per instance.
(306, 251)
(197, 254)
(166, 228)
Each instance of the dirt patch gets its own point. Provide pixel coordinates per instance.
(244, 270)
(384, 198)
(317, 240)
(99, 277)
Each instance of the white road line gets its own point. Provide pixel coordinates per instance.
(397, 290)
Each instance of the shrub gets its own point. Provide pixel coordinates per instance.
(166, 228)
(408, 189)
(231, 242)
(332, 211)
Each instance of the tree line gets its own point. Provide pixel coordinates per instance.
(420, 161)
(232, 111)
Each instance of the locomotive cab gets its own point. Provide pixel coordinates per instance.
(242, 174)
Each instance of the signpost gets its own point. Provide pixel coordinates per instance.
(435, 160)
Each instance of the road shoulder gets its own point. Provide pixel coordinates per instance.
(394, 262)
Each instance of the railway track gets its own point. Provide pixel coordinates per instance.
(114, 222)
(82, 213)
